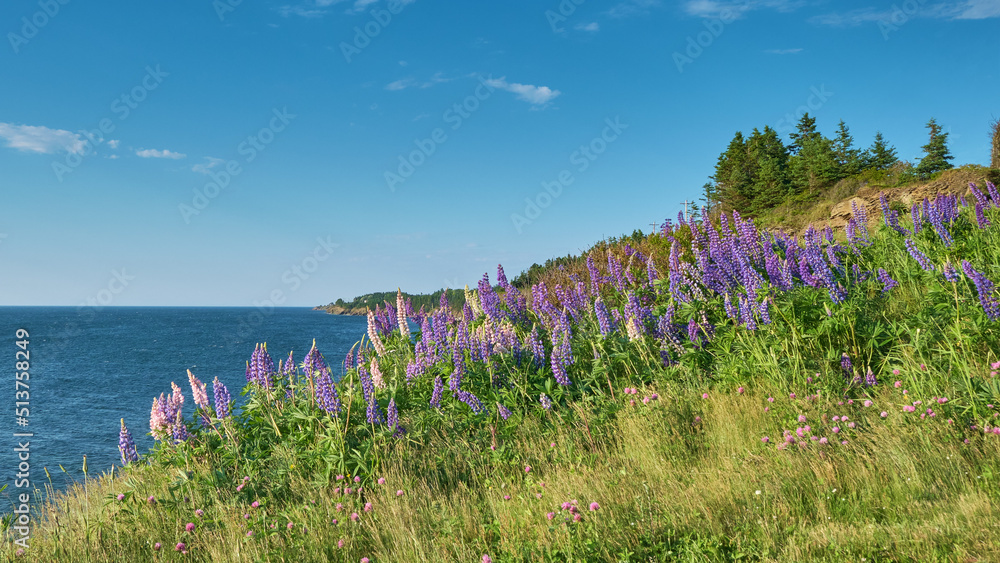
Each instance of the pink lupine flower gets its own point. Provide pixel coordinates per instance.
(198, 390)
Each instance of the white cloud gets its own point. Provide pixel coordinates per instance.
(534, 95)
(113, 143)
(730, 9)
(632, 8)
(783, 51)
(207, 166)
(405, 83)
(962, 10)
(153, 153)
(978, 10)
(592, 27)
(40, 139)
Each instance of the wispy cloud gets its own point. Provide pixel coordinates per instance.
(153, 153)
(319, 8)
(592, 27)
(783, 51)
(628, 8)
(405, 83)
(537, 96)
(963, 10)
(207, 166)
(733, 9)
(113, 143)
(40, 139)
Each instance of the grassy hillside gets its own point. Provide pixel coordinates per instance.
(720, 392)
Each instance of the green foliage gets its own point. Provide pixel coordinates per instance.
(937, 154)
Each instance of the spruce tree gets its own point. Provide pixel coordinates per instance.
(733, 174)
(806, 129)
(937, 152)
(881, 156)
(848, 158)
(770, 172)
(815, 167)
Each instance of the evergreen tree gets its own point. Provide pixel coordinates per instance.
(769, 175)
(805, 130)
(849, 159)
(937, 151)
(881, 156)
(815, 167)
(733, 175)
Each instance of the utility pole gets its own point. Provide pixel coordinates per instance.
(653, 225)
(686, 202)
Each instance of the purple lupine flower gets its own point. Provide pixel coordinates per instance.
(846, 365)
(887, 282)
(890, 216)
(436, 394)
(950, 273)
(615, 268)
(693, 335)
(595, 275)
(180, 431)
(763, 309)
(545, 401)
(373, 413)
(651, 274)
(288, 369)
(534, 343)
(937, 217)
(994, 194)
(221, 396)
(126, 445)
(503, 411)
(985, 288)
(458, 358)
(746, 313)
(915, 217)
(472, 400)
(981, 219)
(870, 380)
(920, 257)
(392, 415)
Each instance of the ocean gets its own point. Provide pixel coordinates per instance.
(90, 367)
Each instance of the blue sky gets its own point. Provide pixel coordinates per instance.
(220, 154)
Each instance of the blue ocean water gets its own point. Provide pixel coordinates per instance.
(89, 368)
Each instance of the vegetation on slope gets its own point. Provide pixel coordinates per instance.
(749, 396)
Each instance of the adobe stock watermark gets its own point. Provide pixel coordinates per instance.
(363, 35)
(33, 24)
(714, 27)
(291, 279)
(900, 15)
(249, 148)
(818, 96)
(121, 107)
(582, 158)
(561, 14)
(456, 115)
(223, 7)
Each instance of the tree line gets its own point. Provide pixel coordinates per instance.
(760, 171)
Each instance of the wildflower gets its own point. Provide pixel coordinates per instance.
(884, 414)
(867, 403)
(222, 398)
(851, 425)
(381, 481)
(255, 504)
(770, 399)
(527, 469)
(791, 395)
(486, 559)
(740, 390)
(189, 527)
(704, 395)
(802, 418)
(546, 401)
(765, 439)
(550, 515)
(199, 513)
(121, 496)
(503, 411)
(151, 500)
(180, 546)
(340, 543)
(357, 478)
(354, 516)
(368, 507)
(364, 560)
(897, 384)
(823, 440)
(250, 534)
(836, 430)
(594, 506)
(156, 546)
(399, 493)
(506, 497)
